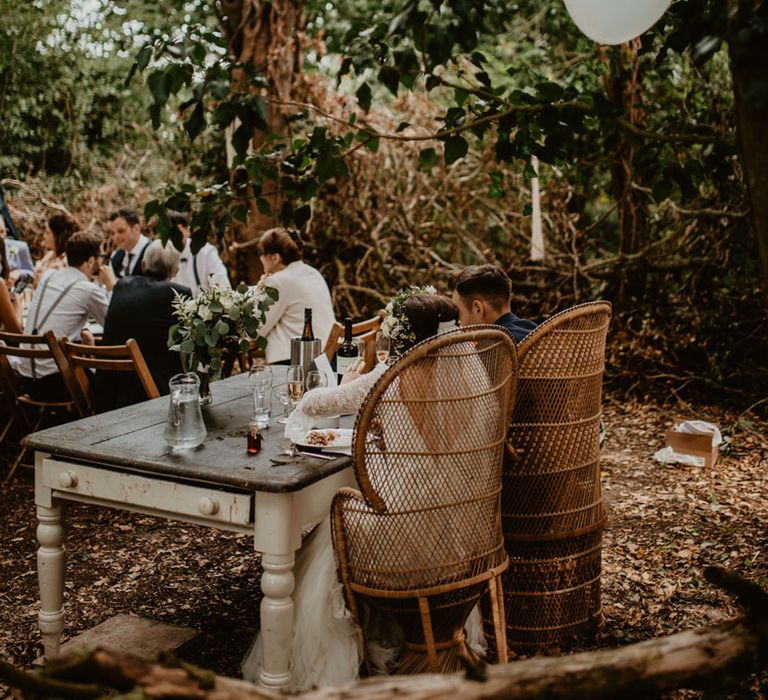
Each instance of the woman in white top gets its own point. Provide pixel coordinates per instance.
(300, 287)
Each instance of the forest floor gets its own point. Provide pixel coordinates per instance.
(666, 523)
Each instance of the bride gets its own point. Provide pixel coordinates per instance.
(325, 648)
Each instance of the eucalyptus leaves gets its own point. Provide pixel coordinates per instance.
(215, 319)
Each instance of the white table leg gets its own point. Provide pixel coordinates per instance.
(277, 537)
(51, 561)
(276, 619)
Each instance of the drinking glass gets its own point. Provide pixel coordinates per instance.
(316, 379)
(382, 347)
(281, 394)
(262, 408)
(260, 377)
(295, 382)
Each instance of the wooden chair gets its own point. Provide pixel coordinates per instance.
(421, 540)
(364, 331)
(75, 358)
(34, 347)
(552, 508)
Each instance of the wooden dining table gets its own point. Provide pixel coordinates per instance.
(120, 460)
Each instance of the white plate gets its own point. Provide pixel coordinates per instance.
(343, 439)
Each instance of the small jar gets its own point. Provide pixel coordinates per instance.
(254, 438)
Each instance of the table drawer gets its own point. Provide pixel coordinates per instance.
(146, 492)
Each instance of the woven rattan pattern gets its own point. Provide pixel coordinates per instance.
(428, 448)
(552, 510)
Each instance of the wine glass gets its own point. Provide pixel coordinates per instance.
(295, 382)
(281, 393)
(316, 379)
(382, 347)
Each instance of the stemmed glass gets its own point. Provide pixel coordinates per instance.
(281, 393)
(316, 379)
(382, 347)
(295, 383)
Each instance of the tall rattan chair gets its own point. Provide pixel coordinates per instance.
(421, 540)
(552, 508)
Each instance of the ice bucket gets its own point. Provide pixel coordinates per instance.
(303, 352)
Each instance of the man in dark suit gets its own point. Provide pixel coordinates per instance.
(130, 243)
(141, 308)
(483, 293)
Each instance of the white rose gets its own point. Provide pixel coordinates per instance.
(204, 313)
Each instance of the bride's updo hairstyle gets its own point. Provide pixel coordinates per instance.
(285, 242)
(425, 312)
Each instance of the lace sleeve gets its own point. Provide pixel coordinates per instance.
(346, 398)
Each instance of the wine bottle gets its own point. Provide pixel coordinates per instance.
(307, 333)
(346, 355)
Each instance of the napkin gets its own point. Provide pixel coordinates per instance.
(322, 364)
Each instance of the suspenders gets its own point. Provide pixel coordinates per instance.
(39, 323)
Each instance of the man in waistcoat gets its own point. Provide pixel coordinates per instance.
(196, 270)
(130, 243)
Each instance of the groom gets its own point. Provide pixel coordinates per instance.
(482, 293)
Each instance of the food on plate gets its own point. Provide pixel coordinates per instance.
(321, 438)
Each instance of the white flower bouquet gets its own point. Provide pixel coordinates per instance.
(218, 318)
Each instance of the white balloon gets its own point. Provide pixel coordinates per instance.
(615, 21)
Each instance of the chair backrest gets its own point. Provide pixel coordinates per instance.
(364, 331)
(111, 358)
(551, 472)
(428, 449)
(33, 347)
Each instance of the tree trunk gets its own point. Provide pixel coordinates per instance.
(700, 658)
(749, 68)
(265, 35)
(623, 86)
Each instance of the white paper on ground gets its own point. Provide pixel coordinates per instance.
(667, 455)
(322, 364)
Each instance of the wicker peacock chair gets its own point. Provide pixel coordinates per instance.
(552, 509)
(422, 538)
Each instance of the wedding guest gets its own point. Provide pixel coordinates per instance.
(58, 230)
(142, 308)
(482, 294)
(17, 256)
(324, 648)
(130, 243)
(196, 270)
(63, 301)
(300, 286)
(10, 304)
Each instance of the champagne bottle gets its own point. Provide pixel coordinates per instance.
(307, 333)
(346, 355)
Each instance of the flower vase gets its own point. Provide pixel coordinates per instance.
(205, 388)
(190, 363)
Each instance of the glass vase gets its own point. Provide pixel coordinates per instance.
(190, 362)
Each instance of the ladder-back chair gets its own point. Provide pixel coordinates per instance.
(77, 357)
(33, 348)
(421, 540)
(552, 507)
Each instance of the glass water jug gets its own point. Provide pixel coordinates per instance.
(185, 426)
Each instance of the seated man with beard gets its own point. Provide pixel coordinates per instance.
(141, 308)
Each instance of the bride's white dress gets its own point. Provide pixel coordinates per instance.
(325, 648)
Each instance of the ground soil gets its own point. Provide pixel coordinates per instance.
(666, 523)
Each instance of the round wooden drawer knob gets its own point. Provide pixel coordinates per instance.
(67, 480)
(208, 505)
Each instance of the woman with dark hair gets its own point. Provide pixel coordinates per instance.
(324, 648)
(300, 286)
(58, 230)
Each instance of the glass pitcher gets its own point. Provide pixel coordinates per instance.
(185, 426)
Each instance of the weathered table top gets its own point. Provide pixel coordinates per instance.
(131, 438)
